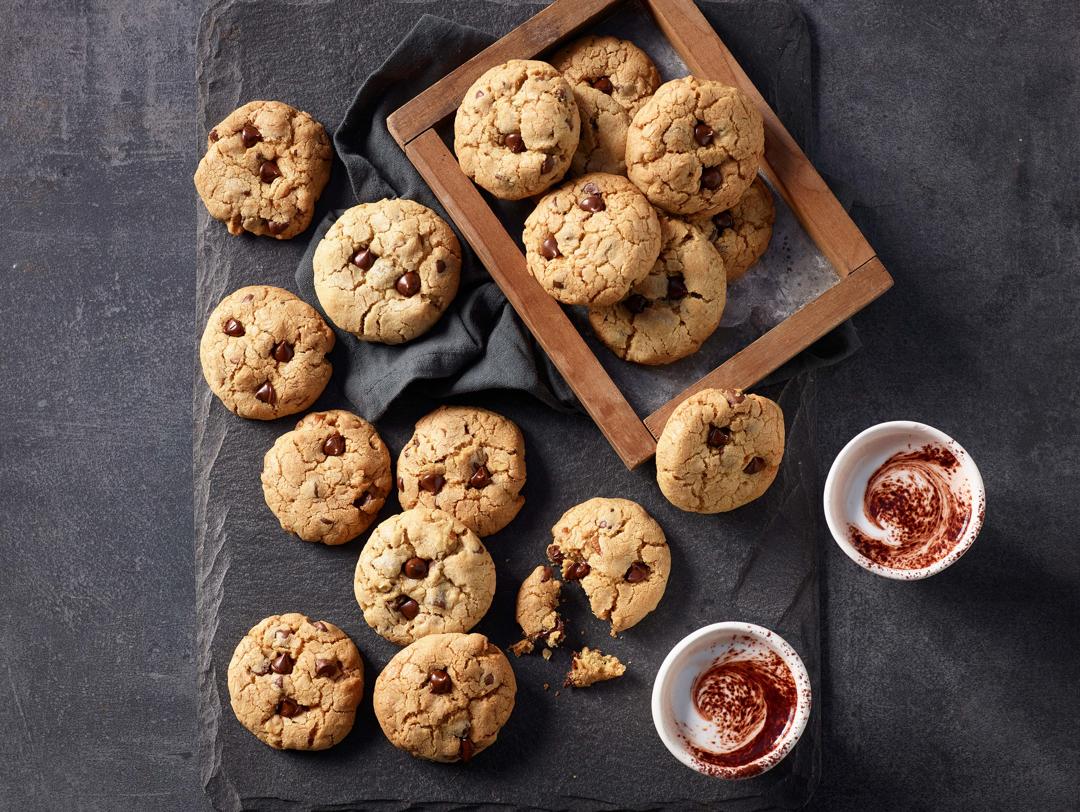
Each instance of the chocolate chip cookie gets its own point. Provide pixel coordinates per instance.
(517, 128)
(538, 612)
(613, 66)
(265, 166)
(671, 312)
(719, 450)
(327, 479)
(263, 352)
(591, 240)
(742, 233)
(445, 697)
(619, 555)
(386, 271)
(423, 572)
(604, 122)
(590, 666)
(695, 146)
(467, 461)
(295, 683)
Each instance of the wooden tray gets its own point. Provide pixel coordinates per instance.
(862, 277)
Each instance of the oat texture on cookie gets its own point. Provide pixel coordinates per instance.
(742, 233)
(615, 67)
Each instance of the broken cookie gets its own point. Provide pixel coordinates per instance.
(591, 666)
(537, 612)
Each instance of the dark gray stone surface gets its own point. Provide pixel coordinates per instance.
(954, 124)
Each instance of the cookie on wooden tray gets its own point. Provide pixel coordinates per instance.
(604, 122)
(742, 233)
(265, 166)
(719, 450)
(589, 241)
(613, 66)
(517, 128)
(695, 146)
(295, 684)
(445, 697)
(386, 271)
(263, 352)
(537, 612)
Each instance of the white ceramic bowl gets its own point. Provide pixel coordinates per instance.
(672, 703)
(856, 463)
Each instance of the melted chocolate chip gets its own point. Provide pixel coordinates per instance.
(266, 394)
(718, 436)
(590, 188)
(545, 574)
(467, 750)
(407, 606)
(275, 228)
(637, 572)
(549, 248)
(364, 259)
(233, 328)
(636, 303)
(603, 84)
(415, 568)
(439, 682)
(268, 171)
(555, 554)
(577, 571)
(250, 136)
(515, 143)
(363, 500)
(481, 477)
(408, 284)
(283, 352)
(723, 220)
(400, 484)
(711, 178)
(325, 668)
(592, 203)
(703, 134)
(547, 165)
(755, 465)
(676, 288)
(440, 266)
(288, 708)
(734, 396)
(282, 664)
(214, 136)
(334, 445)
(432, 483)
(322, 627)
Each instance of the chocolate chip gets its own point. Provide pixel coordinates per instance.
(233, 328)
(214, 136)
(718, 436)
(555, 554)
(592, 203)
(481, 477)
(547, 165)
(275, 227)
(249, 297)
(363, 500)
(636, 303)
(440, 266)
(318, 624)
(603, 84)
(283, 352)
(467, 750)
(723, 220)
(325, 668)
(703, 134)
(602, 523)
(288, 708)
(755, 465)
(439, 682)
(250, 136)
(408, 284)
(711, 178)
(545, 574)
(489, 679)
(266, 394)
(479, 94)
(734, 396)
(637, 573)
(400, 484)
(415, 568)
(334, 445)
(282, 664)
(577, 571)
(676, 288)
(549, 248)
(268, 171)
(364, 259)
(432, 483)
(515, 143)
(590, 188)
(407, 606)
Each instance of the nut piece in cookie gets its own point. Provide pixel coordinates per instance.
(614, 67)
(445, 697)
(265, 166)
(719, 450)
(327, 479)
(604, 122)
(538, 612)
(295, 683)
(263, 352)
(742, 233)
(618, 553)
(589, 666)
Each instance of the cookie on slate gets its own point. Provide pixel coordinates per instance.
(537, 612)
(467, 461)
(445, 697)
(327, 479)
(604, 122)
(265, 166)
(590, 666)
(592, 239)
(423, 572)
(386, 271)
(742, 233)
(695, 146)
(719, 450)
(263, 352)
(517, 128)
(295, 683)
(618, 553)
(671, 312)
(613, 66)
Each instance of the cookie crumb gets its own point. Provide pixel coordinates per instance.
(590, 666)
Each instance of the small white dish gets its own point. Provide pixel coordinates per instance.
(852, 469)
(675, 716)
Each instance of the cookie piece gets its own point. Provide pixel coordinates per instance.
(467, 461)
(590, 666)
(386, 271)
(327, 479)
(445, 697)
(719, 450)
(591, 239)
(265, 166)
(517, 128)
(671, 312)
(613, 66)
(538, 612)
(618, 553)
(604, 122)
(423, 572)
(742, 233)
(263, 352)
(695, 146)
(295, 683)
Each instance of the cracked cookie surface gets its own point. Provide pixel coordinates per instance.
(719, 450)
(537, 611)
(670, 312)
(613, 66)
(327, 479)
(295, 683)
(742, 233)
(604, 122)
(265, 166)
(590, 666)
(467, 461)
(445, 697)
(591, 239)
(386, 271)
(619, 555)
(695, 147)
(263, 352)
(517, 128)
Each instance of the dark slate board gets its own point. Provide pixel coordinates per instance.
(594, 748)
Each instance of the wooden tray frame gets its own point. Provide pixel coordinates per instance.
(862, 277)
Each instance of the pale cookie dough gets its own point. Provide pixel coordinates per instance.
(295, 683)
(538, 612)
(517, 128)
(619, 554)
(327, 479)
(263, 352)
(467, 461)
(742, 233)
(670, 313)
(591, 239)
(265, 166)
(423, 572)
(386, 271)
(695, 147)
(613, 66)
(445, 697)
(589, 667)
(719, 450)
(604, 122)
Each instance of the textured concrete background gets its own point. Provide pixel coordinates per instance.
(956, 126)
